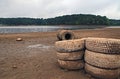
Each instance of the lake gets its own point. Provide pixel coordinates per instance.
(25, 29)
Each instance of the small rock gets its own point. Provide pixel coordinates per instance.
(19, 39)
(66, 70)
(14, 66)
(88, 75)
(92, 78)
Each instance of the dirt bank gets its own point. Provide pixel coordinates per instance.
(35, 56)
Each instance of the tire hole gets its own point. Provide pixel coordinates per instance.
(68, 36)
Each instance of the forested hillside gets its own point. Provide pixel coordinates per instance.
(76, 19)
(114, 22)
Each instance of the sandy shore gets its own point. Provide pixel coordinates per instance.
(35, 56)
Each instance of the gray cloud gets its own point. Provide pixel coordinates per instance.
(52, 8)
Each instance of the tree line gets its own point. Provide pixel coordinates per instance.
(76, 19)
(114, 22)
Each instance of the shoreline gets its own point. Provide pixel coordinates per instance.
(113, 27)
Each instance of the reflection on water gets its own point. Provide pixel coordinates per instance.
(22, 29)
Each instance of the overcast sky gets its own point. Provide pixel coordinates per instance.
(52, 8)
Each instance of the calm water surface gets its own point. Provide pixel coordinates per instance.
(25, 29)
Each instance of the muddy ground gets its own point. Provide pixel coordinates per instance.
(35, 56)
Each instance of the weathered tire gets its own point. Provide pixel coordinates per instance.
(103, 45)
(70, 45)
(71, 56)
(102, 73)
(65, 35)
(109, 61)
(71, 65)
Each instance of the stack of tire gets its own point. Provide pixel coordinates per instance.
(102, 57)
(70, 53)
(65, 35)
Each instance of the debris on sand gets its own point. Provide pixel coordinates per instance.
(19, 39)
(42, 46)
(14, 66)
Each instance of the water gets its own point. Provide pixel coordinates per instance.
(25, 29)
(113, 27)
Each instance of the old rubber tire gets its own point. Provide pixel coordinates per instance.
(102, 73)
(65, 35)
(103, 45)
(102, 60)
(70, 56)
(70, 45)
(71, 65)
